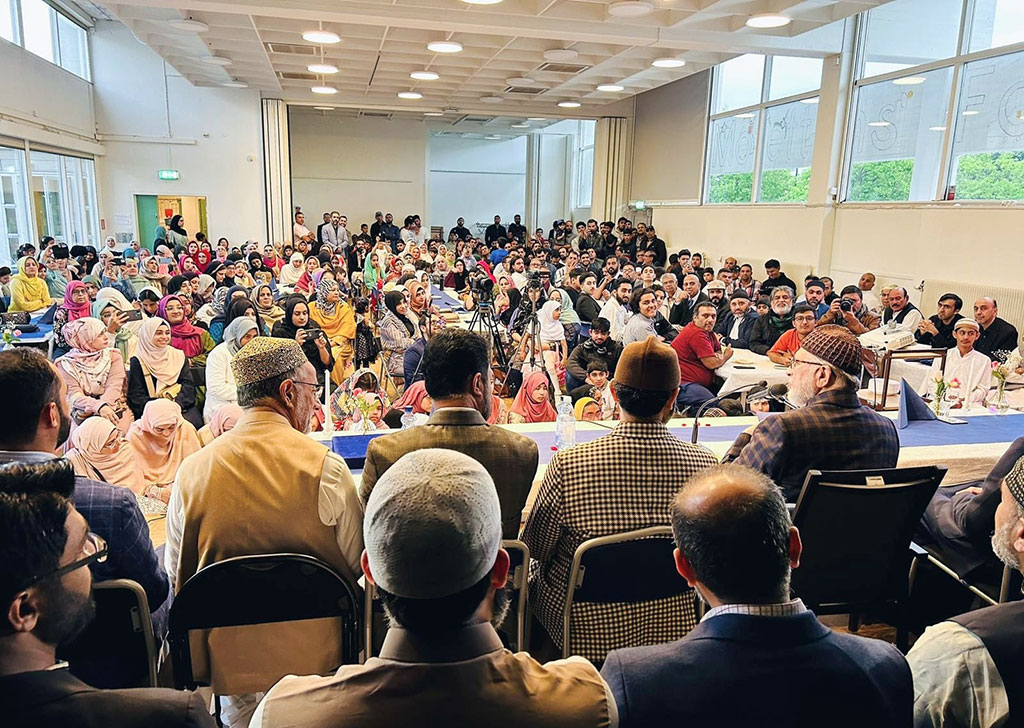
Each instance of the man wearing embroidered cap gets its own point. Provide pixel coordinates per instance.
(968, 670)
(433, 549)
(265, 487)
(831, 429)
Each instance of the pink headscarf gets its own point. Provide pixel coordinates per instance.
(526, 407)
(413, 397)
(184, 335)
(157, 456)
(89, 461)
(225, 419)
(88, 364)
(75, 310)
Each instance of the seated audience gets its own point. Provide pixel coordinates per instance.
(587, 409)
(866, 284)
(782, 351)
(854, 314)
(396, 329)
(640, 325)
(830, 430)
(442, 503)
(369, 414)
(94, 374)
(814, 296)
(98, 452)
(616, 308)
(220, 381)
(699, 354)
(587, 306)
(76, 305)
(415, 396)
(775, 278)
(901, 311)
(970, 369)
(937, 331)
(533, 401)
(683, 312)
(775, 322)
(159, 442)
(998, 337)
(564, 516)
(158, 370)
(223, 420)
(46, 591)
(597, 385)
(295, 495)
(334, 314)
(29, 291)
(195, 343)
(736, 325)
(717, 293)
(114, 311)
(222, 303)
(297, 325)
(291, 273)
(345, 405)
(737, 546)
(965, 670)
(600, 346)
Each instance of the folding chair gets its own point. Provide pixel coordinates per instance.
(118, 649)
(856, 527)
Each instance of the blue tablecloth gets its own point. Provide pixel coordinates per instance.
(37, 338)
(443, 301)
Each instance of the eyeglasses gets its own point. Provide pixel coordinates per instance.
(795, 361)
(804, 319)
(94, 551)
(317, 387)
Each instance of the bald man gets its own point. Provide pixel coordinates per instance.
(736, 547)
(998, 337)
(682, 312)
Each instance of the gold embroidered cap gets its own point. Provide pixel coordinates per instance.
(265, 357)
(1015, 481)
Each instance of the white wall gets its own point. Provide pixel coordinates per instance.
(358, 166)
(137, 95)
(476, 179)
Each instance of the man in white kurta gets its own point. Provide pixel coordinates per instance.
(971, 368)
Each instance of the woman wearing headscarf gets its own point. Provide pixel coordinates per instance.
(291, 273)
(177, 238)
(344, 406)
(224, 420)
(151, 272)
(160, 371)
(457, 277)
(218, 272)
(75, 306)
(397, 332)
(214, 305)
(587, 409)
(262, 297)
(532, 403)
(98, 452)
(114, 316)
(374, 271)
(242, 275)
(28, 289)
(272, 260)
(159, 441)
(307, 281)
(94, 374)
(88, 260)
(220, 380)
(335, 315)
(192, 341)
(222, 303)
(297, 325)
(259, 272)
(499, 411)
(374, 407)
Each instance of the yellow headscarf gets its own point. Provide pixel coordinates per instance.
(581, 404)
(28, 294)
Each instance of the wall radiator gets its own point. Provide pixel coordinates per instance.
(1010, 300)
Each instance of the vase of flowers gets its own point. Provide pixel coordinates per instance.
(10, 337)
(1001, 370)
(941, 385)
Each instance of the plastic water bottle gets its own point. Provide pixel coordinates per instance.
(408, 419)
(565, 425)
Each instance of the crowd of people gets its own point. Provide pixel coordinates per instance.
(191, 387)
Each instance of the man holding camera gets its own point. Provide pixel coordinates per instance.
(849, 311)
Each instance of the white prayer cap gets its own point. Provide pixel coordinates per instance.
(433, 525)
(966, 323)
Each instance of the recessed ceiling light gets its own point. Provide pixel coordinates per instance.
(971, 112)
(216, 60)
(560, 55)
(491, 99)
(936, 128)
(909, 81)
(768, 20)
(519, 81)
(235, 84)
(492, 137)
(321, 36)
(324, 90)
(424, 75)
(610, 87)
(630, 9)
(536, 118)
(433, 113)
(812, 100)
(668, 63)
(570, 104)
(523, 125)
(878, 123)
(444, 46)
(324, 108)
(190, 25)
(411, 95)
(321, 68)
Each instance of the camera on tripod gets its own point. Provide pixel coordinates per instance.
(481, 286)
(533, 280)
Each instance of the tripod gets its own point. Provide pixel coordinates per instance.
(483, 318)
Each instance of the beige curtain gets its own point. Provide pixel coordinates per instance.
(613, 147)
(277, 171)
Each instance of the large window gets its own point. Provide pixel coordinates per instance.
(761, 134)
(918, 60)
(585, 163)
(48, 33)
(14, 208)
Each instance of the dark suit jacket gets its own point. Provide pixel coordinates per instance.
(763, 335)
(509, 457)
(724, 326)
(45, 698)
(741, 671)
(682, 313)
(958, 525)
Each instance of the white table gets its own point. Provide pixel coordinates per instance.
(745, 368)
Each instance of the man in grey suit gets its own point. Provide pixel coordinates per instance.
(457, 372)
(336, 234)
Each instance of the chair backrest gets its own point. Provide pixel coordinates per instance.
(856, 527)
(262, 589)
(118, 648)
(624, 568)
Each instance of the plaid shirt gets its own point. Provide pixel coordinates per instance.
(785, 609)
(620, 482)
(833, 431)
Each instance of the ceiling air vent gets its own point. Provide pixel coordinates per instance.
(570, 68)
(292, 76)
(293, 48)
(524, 91)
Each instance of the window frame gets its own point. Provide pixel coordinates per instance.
(579, 201)
(56, 13)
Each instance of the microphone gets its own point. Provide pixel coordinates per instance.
(756, 387)
(778, 393)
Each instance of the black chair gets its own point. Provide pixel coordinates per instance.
(622, 569)
(856, 527)
(118, 649)
(264, 589)
(1009, 585)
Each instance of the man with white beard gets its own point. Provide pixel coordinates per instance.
(830, 429)
(967, 670)
(773, 324)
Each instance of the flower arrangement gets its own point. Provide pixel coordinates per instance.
(942, 386)
(1005, 365)
(10, 337)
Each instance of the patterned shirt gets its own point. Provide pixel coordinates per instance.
(785, 609)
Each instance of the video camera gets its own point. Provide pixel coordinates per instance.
(533, 280)
(481, 286)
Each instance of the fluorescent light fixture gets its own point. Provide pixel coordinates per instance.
(768, 20)
(491, 99)
(433, 113)
(610, 88)
(879, 123)
(326, 68)
(216, 60)
(560, 55)
(323, 37)
(630, 9)
(190, 25)
(812, 100)
(936, 128)
(235, 84)
(523, 125)
(909, 81)
(324, 90)
(971, 112)
(424, 75)
(444, 46)
(324, 108)
(519, 81)
(570, 104)
(536, 118)
(411, 95)
(668, 62)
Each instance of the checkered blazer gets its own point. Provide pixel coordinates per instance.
(620, 482)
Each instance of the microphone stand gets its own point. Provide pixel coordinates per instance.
(715, 400)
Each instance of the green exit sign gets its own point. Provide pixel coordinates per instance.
(167, 174)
